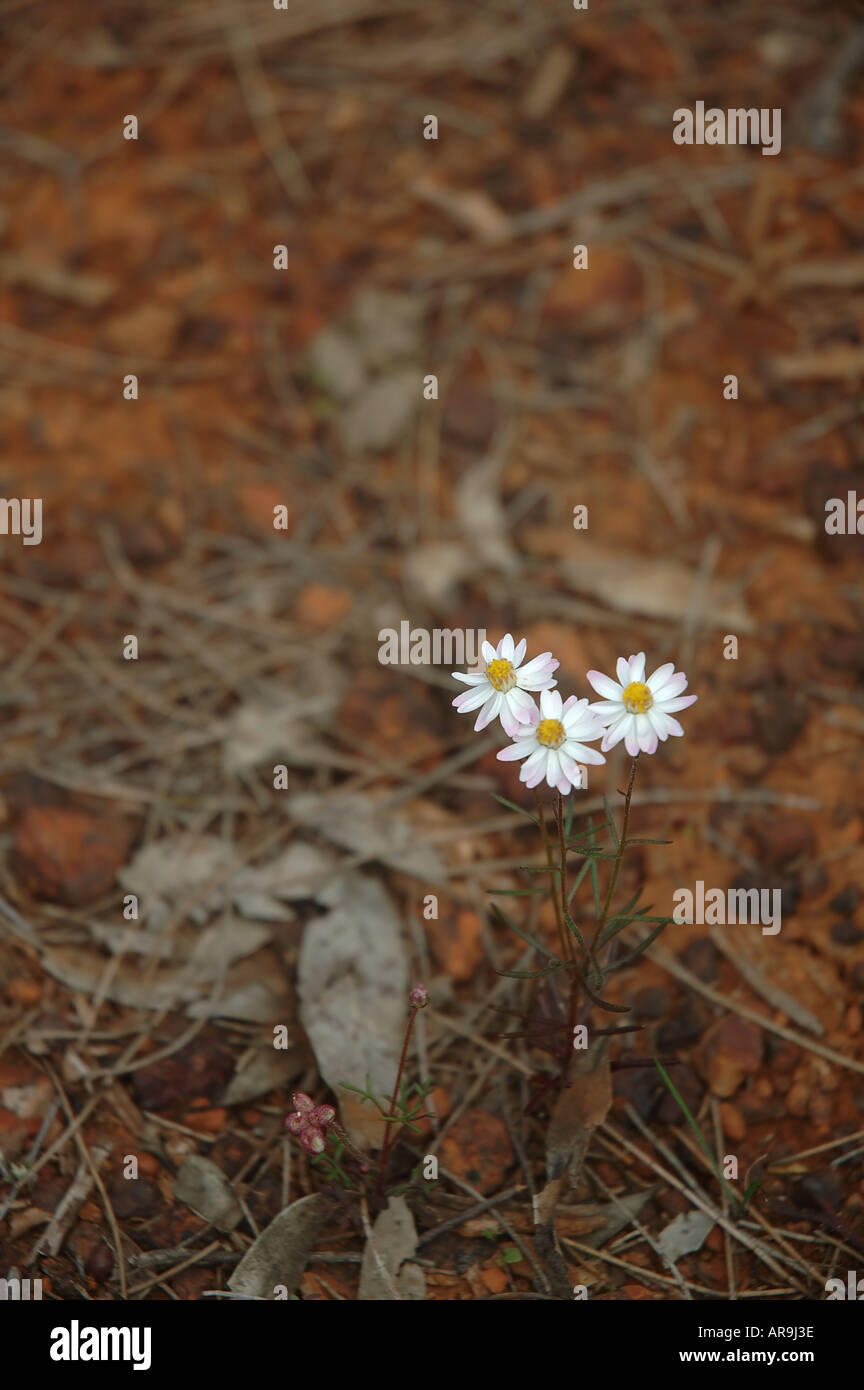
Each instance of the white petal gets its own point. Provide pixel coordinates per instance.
(505, 647)
(469, 677)
(488, 712)
(637, 667)
(550, 704)
(670, 688)
(682, 702)
(622, 670)
(605, 686)
(489, 652)
(516, 750)
(519, 653)
(660, 677)
(473, 699)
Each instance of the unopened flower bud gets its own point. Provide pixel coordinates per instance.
(322, 1116)
(302, 1102)
(313, 1140)
(296, 1123)
(419, 996)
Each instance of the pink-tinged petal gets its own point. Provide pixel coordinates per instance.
(631, 743)
(674, 727)
(622, 670)
(683, 702)
(564, 785)
(567, 764)
(489, 652)
(614, 735)
(674, 686)
(521, 703)
(648, 740)
(550, 704)
(660, 677)
(519, 653)
(606, 710)
(657, 719)
(604, 686)
(469, 677)
(489, 711)
(509, 723)
(516, 750)
(637, 667)
(505, 647)
(539, 666)
(471, 699)
(532, 779)
(570, 703)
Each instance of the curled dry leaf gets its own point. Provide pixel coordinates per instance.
(393, 1241)
(653, 588)
(362, 823)
(277, 1259)
(353, 984)
(203, 1186)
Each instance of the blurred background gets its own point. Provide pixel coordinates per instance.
(228, 322)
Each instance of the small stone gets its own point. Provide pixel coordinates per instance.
(684, 1028)
(798, 1099)
(845, 902)
(846, 933)
(478, 1149)
(734, 1124)
(69, 855)
(652, 1003)
(702, 959)
(820, 1189)
(731, 1050)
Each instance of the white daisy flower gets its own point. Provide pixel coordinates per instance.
(552, 744)
(637, 710)
(502, 687)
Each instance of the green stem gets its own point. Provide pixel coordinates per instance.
(616, 868)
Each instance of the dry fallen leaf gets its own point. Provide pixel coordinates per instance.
(203, 1186)
(393, 1241)
(278, 1257)
(652, 588)
(363, 823)
(353, 986)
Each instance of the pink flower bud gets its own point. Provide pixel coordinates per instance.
(296, 1123)
(419, 996)
(313, 1140)
(303, 1103)
(322, 1115)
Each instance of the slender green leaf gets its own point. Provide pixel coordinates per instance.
(643, 946)
(516, 892)
(526, 936)
(511, 806)
(574, 929)
(534, 974)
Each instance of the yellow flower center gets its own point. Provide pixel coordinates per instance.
(551, 733)
(638, 698)
(501, 675)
